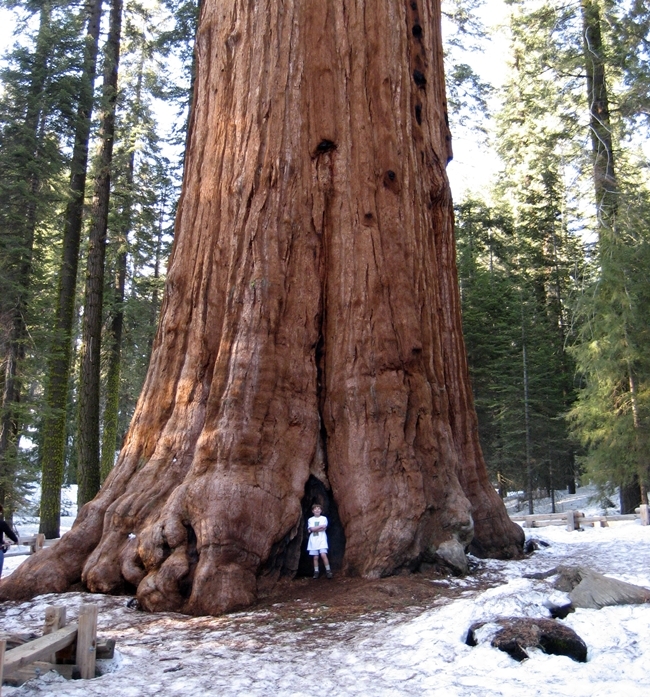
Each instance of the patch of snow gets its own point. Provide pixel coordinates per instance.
(263, 651)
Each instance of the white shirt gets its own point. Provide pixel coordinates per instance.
(317, 540)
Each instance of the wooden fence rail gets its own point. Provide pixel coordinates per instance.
(33, 543)
(573, 519)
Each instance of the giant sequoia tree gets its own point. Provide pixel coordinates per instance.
(310, 340)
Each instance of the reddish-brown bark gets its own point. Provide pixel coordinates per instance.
(310, 341)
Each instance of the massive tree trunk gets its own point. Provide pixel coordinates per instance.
(310, 340)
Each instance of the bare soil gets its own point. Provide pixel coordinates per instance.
(342, 598)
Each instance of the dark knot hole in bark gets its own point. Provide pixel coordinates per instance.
(419, 78)
(324, 146)
(317, 492)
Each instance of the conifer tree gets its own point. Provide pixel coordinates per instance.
(38, 79)
(54, 426)
(577, 55)
(522, 280)
(20, 150)
(88, 436)
(140, 217)
(611, 352)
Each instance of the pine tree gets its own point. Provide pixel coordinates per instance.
(88, 435)
(521, 282)
(517, 359)
(34, 127)
(612, 351)
(139, 236)
(54, 426)
(577, 56)
(20, 151)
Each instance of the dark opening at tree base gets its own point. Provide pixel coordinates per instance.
(317, 492)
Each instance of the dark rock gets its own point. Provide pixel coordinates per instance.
(559, 612)
(533, 545)
(15, 640)
(471, 639)
(540, 575)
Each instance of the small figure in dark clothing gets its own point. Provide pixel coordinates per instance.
(5, 530)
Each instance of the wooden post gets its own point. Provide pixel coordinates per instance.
(3, 644)
(570, 521)
(644, 511)
(36, 543)
(87, 641)
(54, 619)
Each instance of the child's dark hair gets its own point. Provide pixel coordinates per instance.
(316, 504)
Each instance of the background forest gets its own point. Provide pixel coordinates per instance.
(553, 254)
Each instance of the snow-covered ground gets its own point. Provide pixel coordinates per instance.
(415, 652)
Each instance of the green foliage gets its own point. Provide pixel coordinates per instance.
(467, 93)
(38, 114)
(145, 191)
(521, 374)
(38, 80)
(583, 310)
(612, 416)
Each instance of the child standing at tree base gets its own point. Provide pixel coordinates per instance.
(317, 544)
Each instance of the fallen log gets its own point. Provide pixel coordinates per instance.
(516, 634)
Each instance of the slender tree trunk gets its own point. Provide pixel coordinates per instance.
(605, 182)
(529, 465)
(607, 196)
(310, 341)
(54, 425)
(190, 96)
(643, 470)
(26, 222)
(112, 408)
(88, 466)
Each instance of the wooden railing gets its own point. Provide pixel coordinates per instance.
(32, 542)
(574, 519)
